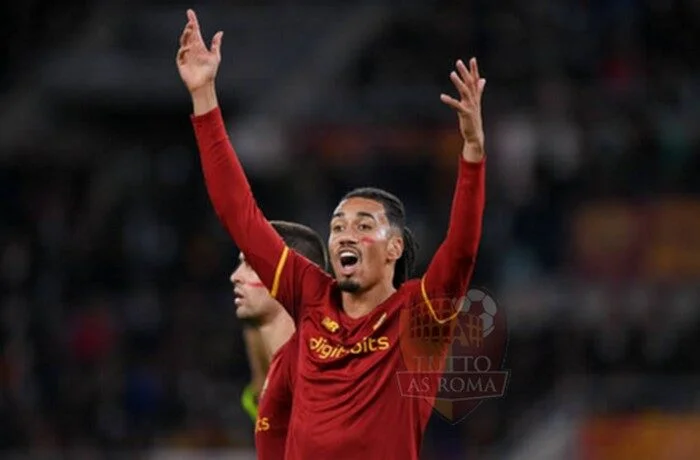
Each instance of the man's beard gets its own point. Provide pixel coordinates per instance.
(349, 286)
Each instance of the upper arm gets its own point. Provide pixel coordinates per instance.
(450, 270)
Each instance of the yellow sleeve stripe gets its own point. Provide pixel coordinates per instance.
(431, 308)
(278, 273)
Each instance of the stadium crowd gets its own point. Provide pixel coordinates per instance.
(117, 325)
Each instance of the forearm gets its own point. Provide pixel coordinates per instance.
(450, 270)
(472, 152)
(230, 194)
(464, 231)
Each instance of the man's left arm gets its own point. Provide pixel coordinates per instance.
(259, 364)
(451, 268)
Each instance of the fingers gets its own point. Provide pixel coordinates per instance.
(181, 54)
(467, 77)
(482, 85)
(192, 18)
(474, 67)
(462, 88)
(452, 102)
(470, 77)
(192, 35)
(194, 23)
(468, 82)
(470, 86)
(216, 43)
(479, 82)
(186, 33)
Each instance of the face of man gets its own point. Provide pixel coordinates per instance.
(363, 246)
(252, 299)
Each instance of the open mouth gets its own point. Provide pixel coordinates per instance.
(348, 260)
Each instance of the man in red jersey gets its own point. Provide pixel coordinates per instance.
(347, 403)
(276, 329)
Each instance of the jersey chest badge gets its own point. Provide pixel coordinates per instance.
(330, 325)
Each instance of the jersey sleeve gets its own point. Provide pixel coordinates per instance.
(291, 278)
(450, 270)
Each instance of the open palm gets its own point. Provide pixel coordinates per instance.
(197, 64)
(470, 86)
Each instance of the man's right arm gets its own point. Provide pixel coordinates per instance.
(281, 270)
(231, 196)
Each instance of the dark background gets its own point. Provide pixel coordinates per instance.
(117, 329)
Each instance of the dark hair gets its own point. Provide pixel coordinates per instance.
(303, 240)
(396, 215)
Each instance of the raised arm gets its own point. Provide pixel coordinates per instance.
(451, 268)
(282, 270)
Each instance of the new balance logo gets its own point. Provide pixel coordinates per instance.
(329, 324)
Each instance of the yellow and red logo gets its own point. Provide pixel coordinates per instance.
(329, 324)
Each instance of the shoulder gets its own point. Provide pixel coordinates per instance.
(312, 276)
(411, 285)
(412, 295)
(410, 290)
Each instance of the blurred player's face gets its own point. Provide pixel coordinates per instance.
(252, 299)
(363, 246)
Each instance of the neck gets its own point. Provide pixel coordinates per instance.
(358, 304)
(276, 331)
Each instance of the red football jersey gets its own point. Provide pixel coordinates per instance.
(275, 406)
(347, 400)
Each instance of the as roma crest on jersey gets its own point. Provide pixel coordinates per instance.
(454, 350)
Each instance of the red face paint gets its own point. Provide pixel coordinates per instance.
(367, 240)
(256, 284)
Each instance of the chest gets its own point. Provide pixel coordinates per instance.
(336, 348)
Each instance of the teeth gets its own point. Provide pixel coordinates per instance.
(347, 254)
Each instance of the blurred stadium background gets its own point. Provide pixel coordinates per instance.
(117, 327)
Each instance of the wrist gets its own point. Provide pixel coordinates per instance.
(473, 152)
(204, 99)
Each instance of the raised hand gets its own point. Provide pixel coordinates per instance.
(470, 87)
(197, 64)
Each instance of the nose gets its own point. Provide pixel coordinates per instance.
(234, 278)
(347, 238)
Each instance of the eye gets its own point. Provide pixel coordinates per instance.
(364, 227)
(336, 228)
